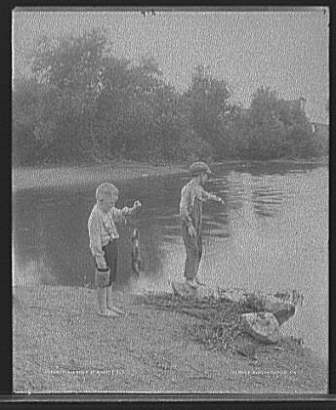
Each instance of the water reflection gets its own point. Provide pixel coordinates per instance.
(50, 226)
(266, 201)
(272, 233)
(52, 236)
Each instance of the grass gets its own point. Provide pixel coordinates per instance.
(161, 344)
(219, 323)
(253, 303)
(219, 326)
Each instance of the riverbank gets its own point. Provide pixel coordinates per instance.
(27, 178)
(60, 344)
(33, 177)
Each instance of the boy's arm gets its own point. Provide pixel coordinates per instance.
(207, 196)
(95, 242)
(120, 214)
(184, 207)
(131, 211)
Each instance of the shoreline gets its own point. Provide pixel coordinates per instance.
(60, 344)
(30, 178)
(24, 178)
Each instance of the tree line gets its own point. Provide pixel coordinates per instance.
(81, 104)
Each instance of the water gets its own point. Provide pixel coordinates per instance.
(271, 235)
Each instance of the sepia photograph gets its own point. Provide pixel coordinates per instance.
(170, 200)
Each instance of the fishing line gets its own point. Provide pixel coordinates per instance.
(209, 242)
(242, 217)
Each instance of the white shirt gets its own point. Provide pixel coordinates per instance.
(102, 228)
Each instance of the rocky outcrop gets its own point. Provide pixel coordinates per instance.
(267, 312)
(263, 326)
(184, 290)
(281, 310)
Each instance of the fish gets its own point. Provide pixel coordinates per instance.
(137, 264)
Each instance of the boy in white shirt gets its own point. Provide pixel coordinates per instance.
(104, 236)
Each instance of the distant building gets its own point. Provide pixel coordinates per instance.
(299, 103)
(320, 130)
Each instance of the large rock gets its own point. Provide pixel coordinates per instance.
(260, 302)
(263, 326)
(184, 290)
(234, 295)
(267, 303)
(281, 310)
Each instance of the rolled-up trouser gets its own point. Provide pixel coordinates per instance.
(105, 277)
(193, 246)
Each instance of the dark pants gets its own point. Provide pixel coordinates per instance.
(193, 247)
(111, 259)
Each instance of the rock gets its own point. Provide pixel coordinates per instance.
(182, 289)
(234, 295)
(281, 310)
(285, 314)
(185, 290)
(263, 326)
(262, 302)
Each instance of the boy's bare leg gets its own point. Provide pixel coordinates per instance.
(192, 260)
(109, 300)
(102, 306)
(101, 292)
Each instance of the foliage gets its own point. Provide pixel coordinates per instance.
(207, 103)
(278, 128)
(82, 104)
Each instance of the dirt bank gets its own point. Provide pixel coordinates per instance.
(27, 178)
(60, 344)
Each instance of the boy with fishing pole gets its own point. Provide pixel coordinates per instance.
(104, 236)
(192, 197)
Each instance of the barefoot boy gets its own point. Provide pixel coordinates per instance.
(192, 197)
(104, 243)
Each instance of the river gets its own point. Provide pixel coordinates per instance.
(271, 235)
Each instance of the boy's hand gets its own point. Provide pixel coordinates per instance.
(101, 263)
(192, 231)
(217, 199)
(137, 204)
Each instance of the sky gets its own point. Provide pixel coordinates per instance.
(285, 50)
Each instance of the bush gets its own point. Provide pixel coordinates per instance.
(85, 105)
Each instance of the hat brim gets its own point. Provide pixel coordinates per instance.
(196, 173)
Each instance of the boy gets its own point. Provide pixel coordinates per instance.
(104, 243)
(192, 197)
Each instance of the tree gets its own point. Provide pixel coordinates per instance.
(278, 128)
(136, 110)
(207, 99)
(83, 104)
(68, 72)
(26, 146)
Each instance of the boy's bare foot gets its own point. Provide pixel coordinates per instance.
(116, 310)
(108, 313)
(199, 282)
(192, 283)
